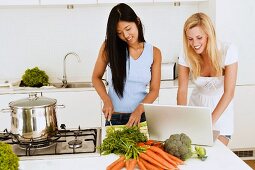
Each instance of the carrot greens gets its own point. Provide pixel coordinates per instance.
(123, 142)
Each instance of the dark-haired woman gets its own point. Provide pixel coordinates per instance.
(134, 64)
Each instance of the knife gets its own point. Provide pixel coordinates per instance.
(109, 121)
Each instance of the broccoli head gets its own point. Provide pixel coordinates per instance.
(179, 145)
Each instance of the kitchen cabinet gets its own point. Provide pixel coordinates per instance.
(19, 2)
(244, 117)
(179, 0)
(82, 108)
(229, 14)
(124, 1)
(5, 117)
(168, 96)
(66, 2)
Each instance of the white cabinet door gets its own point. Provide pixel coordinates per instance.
(19, 2)
(82, 108)
(5, 117)
(123, 1)
(229, 15)
(179, 0)
(243, 137)
(65, 2)
(169, 96)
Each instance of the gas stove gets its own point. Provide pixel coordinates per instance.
(65, 143)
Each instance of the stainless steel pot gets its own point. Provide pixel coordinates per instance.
(34, 117)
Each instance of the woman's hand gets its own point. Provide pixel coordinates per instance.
(108, 109)
(135, 117)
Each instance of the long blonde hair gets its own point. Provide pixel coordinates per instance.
(195, 60)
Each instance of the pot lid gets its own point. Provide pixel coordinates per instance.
(33, 101)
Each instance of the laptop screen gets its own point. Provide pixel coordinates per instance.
(165, 120)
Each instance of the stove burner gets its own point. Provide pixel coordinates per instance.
(76, 143)
(5, 135)
(35, 143)
(64, 142)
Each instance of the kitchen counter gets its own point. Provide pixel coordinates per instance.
(219, 158)
(164, 84)
(18, 90)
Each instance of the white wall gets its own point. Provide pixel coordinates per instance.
(42, 35)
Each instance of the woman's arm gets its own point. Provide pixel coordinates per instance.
(229, 90)
(183, 81)
(153, 91)
(97, 75)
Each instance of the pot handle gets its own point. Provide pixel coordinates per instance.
(6, 110)
(61, 106)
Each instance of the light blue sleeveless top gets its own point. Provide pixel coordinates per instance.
(138, 77)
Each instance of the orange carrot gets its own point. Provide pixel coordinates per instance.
(141, 165)
(127, 163)
(141, 144)
(121, 158)
(158, 158)
(157, 144)
(149, 166)
(163, 154)
(132, 164)
(149, 142)
(177, 160)
(151, 160)
(119, 165)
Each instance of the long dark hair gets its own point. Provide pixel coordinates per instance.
(116, 50)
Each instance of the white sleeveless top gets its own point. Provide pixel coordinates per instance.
(138, 77)
(208, 90)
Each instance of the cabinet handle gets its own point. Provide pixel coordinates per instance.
(6, 110)
(61, 106)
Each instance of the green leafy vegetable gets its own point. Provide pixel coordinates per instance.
(8, 160)
(35, 78)
(123, 142)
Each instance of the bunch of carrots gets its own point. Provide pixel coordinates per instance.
(154, 158)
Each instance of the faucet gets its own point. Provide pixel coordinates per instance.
(64, 80)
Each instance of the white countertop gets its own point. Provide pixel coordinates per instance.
(17, 90)
(165, 84)
(219, 158)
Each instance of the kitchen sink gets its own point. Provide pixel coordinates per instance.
(73, 85)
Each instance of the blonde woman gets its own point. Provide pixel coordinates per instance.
(212, 66)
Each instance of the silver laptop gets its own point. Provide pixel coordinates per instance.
(165, 120)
